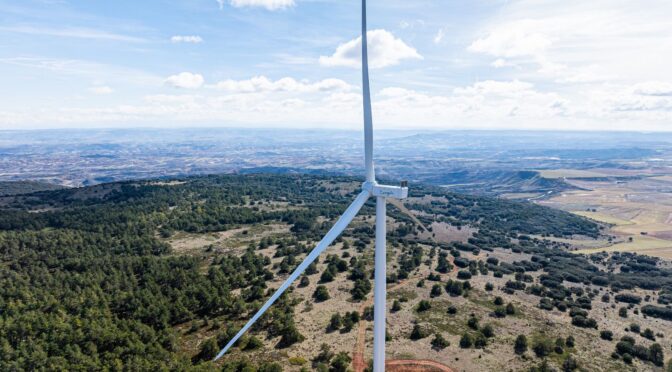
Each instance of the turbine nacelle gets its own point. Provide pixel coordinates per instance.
(386, 191)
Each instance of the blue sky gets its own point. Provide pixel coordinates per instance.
(439, 64)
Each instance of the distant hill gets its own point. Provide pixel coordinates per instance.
(25, 187)
(498, 182)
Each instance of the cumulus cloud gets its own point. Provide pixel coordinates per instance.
(384, 50)
(101, 90)
(268, 4)
(193, 39)
(517, 39)
(185, 80)
(262, 84)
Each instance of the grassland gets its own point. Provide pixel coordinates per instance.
(638, 213)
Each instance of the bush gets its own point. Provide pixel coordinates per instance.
(570, 364)
(436, 291)
(570, 341)
(473, 323)
(499, 301)
(321, 294)
(424, 305)
(396, 306)
(253, 343)
(489, 287)
(335, 323)
(520, 346)
(464, 275)
(466, 341)
(656, 355)
(439, 343)
(418, 333)
(543, 348)
(341, 362)
(607, 335)
(510, 309)
(361, 289)
(452, 310)
(628, 298)
(583, 322)
(208, 351)
(488, 331)
(480, 341)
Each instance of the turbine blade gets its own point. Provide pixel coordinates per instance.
(335, 231)
(368, 115)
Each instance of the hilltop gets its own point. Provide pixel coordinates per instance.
(159, 274)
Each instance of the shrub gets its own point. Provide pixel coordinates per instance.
(335, 323)
(489, 287)
(628, 298)
(520, 346)
(480, 341)
(570, 341)
(436, 290)
(623, 312)
(439, 343)
(488, 331)
(396, 306)
(321, 294)
(473, 323)
(510, 309)
(341, 362)
(656, 355)
(418, 333)
(464, 275)
(542, 348)
(607, 335)
(499, 301)
(452, 310)
(466, 341)
(424, 305)
(253, 343)
(570, 364)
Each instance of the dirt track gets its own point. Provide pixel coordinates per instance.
(415, 366)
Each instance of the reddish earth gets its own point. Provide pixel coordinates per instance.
(415, 366)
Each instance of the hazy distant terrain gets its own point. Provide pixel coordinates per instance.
(621, 179)
(475, 162)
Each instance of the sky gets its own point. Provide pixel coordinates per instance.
(436, 64)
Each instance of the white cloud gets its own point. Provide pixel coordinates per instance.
(221, 4)
(193, 39)
(101, 90)
(268, 4)
(384, 50)
(502, 88)
(517, 39)
(579, 42)
(185, 80)
(263, 84)
(653, 88)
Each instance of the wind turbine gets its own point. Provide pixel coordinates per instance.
(370, 188)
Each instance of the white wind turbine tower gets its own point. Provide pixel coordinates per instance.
(370, 188)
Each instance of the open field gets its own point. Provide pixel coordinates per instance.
(638, 212)
(570, 173)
